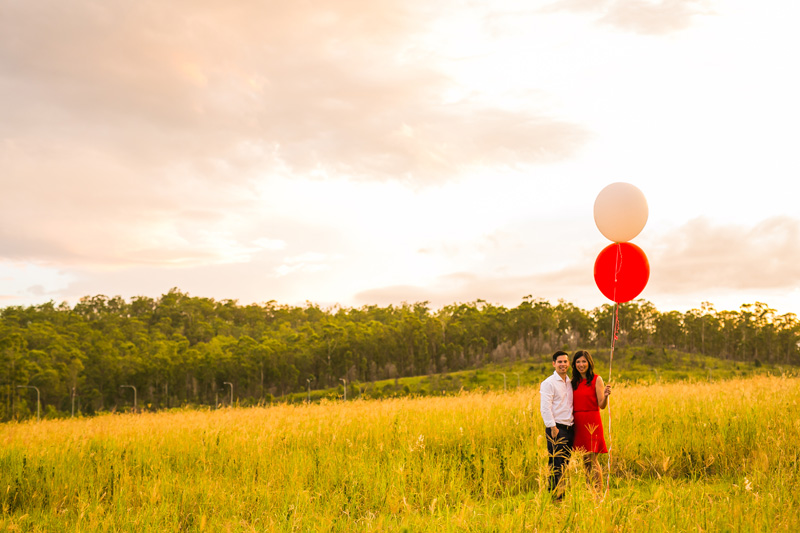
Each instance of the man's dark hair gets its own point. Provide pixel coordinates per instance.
(559, 354)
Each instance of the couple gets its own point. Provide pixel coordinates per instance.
(571, 413)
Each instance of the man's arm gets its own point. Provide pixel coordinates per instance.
(546, 393)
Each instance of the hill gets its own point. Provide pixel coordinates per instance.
(631, 365)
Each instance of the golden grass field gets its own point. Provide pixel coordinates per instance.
(720, 456)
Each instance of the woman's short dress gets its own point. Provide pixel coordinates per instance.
(588, 424)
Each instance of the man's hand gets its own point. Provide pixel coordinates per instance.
(554, 432)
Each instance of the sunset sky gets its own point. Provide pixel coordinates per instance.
(379, 151)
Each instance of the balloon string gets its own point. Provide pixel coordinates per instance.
(614, 332)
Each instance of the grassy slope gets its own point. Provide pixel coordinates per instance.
(630, 365)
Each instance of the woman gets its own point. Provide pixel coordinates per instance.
(589, 396)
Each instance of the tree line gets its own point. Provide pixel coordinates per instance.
(183, 350)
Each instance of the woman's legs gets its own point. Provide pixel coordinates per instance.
(596, 473)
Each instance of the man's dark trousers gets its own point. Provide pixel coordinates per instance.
(559, 452)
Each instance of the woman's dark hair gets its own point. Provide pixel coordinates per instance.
(576, 376)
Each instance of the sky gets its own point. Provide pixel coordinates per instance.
(375, 152)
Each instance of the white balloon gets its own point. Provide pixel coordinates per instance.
(620, 211)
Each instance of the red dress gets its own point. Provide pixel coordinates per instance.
(588, 425)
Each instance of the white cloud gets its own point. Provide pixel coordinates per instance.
(706, 256)
(21, 283)
(197, 81)
(648, 17)
(270, 244)
(308, 262)
(308, 257)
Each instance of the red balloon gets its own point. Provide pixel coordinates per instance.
(621, 271)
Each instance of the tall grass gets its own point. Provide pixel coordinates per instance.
(685, 456)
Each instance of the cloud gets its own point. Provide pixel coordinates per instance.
(646, 17)
(144, 133)
(346, 87)
(20, 283)
(270, 244)
(501, 290)
(701, 256)
(307, 262)
(710, 262)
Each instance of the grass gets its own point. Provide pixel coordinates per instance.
(699, 456)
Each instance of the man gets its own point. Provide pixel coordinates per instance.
(556, 406)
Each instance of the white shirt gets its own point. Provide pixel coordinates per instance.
(556, 401)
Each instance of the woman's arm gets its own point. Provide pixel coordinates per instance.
(602, 391)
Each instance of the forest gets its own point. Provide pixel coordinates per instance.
(181, 350)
